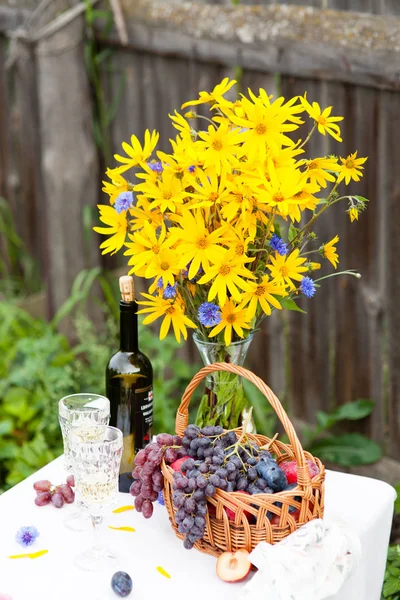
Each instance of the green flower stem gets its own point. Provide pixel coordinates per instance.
(349, 272)
(309, 135)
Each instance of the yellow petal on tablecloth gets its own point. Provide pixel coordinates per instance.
(124, 528)
(30, 555)
(163, 572)
(124, 508)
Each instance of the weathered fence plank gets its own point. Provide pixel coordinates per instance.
(4, 147)
(69, 156)
(327, 45)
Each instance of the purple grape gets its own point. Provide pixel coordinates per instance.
(170, 455)
(71, 480)
(187, 524)
(177, 440)
(165, 439)
(178, 498)
(42, 498)
(147, 509)
(57, 499)
(187, 544)
(136, 472)
(135, 488)
(190, 505)
(67, 493)
(121, 584)
(199, 495)
(139, 502)
(210, 490)
(42, 486)
(141, 458)
(158, 478)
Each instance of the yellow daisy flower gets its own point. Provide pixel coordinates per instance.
(146, 213)
(326, 123)
(227, 274)
(353, 214)
(232, 318)
(218, 147)
(181, 124)
(210, 188)
(262, 293)
(329, 251)
(137, 154)
(264, 127)
(351, 168)
(197, 245)
(117, 227)
(214, 96)
(317, 170)
(285, 268)
(173, 313)
(282, 191)
(145, 245)
(116, 185)
(165, 266)
(166, 193)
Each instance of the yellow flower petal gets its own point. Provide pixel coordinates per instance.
(123, 528)
(30, 554)
(163, 572)
(124, 508)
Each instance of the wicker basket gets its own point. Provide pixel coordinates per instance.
(221, 534)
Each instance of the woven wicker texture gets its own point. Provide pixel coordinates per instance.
(221, 534)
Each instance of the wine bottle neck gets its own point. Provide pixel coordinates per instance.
(128, 327)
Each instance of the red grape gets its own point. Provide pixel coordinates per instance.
(135, 488)
(42, 498)
(139, 502)
(67, 493)
(136, 472)
(71, 480)
(170, 455)
(165, 439)
(42, 486)
(57, 499)
(147, 509)
(141, 457)
(158, 478)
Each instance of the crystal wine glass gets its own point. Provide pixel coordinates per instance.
(96, 469)
(90, 413)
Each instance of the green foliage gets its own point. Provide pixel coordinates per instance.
(344, 449)
(38, 366)
(391, 585)
(18, 270)
(97, 60)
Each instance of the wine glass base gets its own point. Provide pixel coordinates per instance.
(78, 521)
(97, 559)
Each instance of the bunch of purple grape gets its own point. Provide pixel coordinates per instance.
(149, 480)
(211, 459)
(57, 495)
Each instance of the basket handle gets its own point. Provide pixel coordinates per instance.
(182, 416)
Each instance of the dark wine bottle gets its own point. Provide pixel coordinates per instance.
(129, 385)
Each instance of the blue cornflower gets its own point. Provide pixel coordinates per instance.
(278, 245)
(209, 314)
(192, 168)
(156, 166)
(307, 287)
(27, 535)
(123, 202)
(160, 283)
(161, 498)
(169, 292)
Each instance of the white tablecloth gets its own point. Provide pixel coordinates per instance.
(365, 505)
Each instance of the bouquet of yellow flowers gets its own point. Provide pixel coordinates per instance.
(221, 227)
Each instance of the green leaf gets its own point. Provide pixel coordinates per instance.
(290, 304)
(6, 427)
(361, 198)
(390, 587)
(347, 450)
(293, 231)
(354, 411)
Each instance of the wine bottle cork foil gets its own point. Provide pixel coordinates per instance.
(127, 288)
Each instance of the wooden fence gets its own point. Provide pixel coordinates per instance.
(348, 346)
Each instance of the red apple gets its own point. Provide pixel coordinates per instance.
(176, 465)
(233, 566)
(290, 470)
(232, 514)
(295, 515)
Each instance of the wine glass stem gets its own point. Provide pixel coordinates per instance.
(96, 522)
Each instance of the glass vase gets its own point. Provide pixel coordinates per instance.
(224, 402)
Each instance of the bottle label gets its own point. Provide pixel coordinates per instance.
(144, 416)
